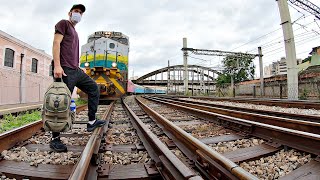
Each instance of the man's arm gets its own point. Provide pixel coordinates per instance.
(58, 71)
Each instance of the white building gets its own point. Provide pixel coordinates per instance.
(277, 68)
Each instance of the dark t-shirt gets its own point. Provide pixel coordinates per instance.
(69, 46)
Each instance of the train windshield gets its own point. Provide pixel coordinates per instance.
(116, 36)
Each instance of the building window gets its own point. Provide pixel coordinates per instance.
(50, 70)
(9, 57)
(112, 45)
(34, 66)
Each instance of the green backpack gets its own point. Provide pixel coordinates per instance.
(56, 115)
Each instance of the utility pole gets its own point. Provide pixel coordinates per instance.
(232, 84)
(261, 72)
(168, 77)
(292, 73)
(185, 64)
(20, 82)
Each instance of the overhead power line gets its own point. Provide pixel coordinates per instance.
(280, 37)
(257, 38)
(260, 37)
(218, 53)
(281, 50)
(307, 6)
(198, 58)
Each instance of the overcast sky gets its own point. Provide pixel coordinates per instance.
(156, 28)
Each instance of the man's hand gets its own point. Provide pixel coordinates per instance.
(58, 72)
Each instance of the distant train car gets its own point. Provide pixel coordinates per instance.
(130, 87)
(137, 89)
(105, 58)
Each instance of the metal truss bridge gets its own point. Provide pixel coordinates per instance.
(200, 78)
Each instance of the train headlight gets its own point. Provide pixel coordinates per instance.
(114, 64)
(86, 64)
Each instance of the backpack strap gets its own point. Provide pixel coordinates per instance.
(58, 79)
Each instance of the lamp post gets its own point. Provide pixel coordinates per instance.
(20, 89)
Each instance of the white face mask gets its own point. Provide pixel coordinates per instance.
(75, 17)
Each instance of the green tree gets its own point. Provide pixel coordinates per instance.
(223, 79)
(306, 59)
(241, 66)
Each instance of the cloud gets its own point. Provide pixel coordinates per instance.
(155, 28)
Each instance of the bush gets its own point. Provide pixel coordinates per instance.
(304, 95)
(10, 122)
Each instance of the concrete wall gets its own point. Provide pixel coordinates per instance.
(34, 85)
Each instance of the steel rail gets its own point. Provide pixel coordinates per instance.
(300, 140)
(177, 169)
(10, 138)
(306, 126)
(205, 156)
(312, 118)
(303, 104)
(81, 168)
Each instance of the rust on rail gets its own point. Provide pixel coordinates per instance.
(306, 126)
(12, 137)
(172, 166)
(211, 160)
(304, 104)
(80, 170)
(300, 140)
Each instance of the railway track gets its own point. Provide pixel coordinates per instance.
(294, 113)
(153, 138)
(26, 153)
(277, 142)
(307, 123)
(302, 104)
(131, 151)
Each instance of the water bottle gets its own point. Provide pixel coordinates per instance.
(73, 108)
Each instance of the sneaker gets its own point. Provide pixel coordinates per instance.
(97, 123)
(57, 145)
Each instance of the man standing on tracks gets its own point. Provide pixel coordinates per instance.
(66, 66)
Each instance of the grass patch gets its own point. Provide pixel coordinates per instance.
(10, 122)
(80, 102)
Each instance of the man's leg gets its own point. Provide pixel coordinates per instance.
(90, 87)
(70, 81)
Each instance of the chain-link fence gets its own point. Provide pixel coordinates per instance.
(308, 89)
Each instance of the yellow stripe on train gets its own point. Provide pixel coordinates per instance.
(115, 82)
(89, 58)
